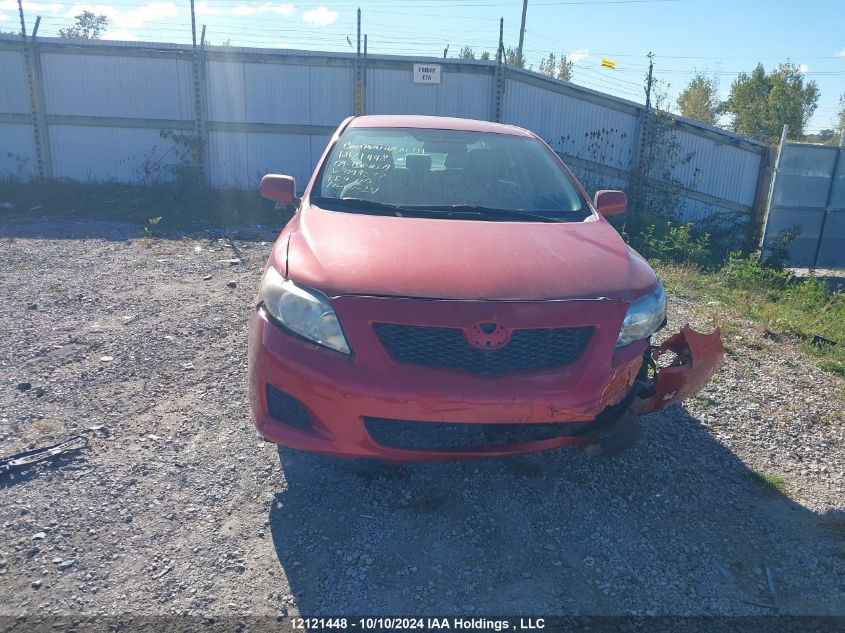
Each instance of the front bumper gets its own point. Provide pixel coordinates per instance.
(341, 395)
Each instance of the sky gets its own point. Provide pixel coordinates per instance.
(718, 37)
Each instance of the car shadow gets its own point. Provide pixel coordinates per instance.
(676, 525)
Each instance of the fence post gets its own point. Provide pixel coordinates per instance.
(761, 196)
(33, 77)
(639, 163)
(359, 99)
(499, 76)
(772, 187)
(41, 114)
(198, 78)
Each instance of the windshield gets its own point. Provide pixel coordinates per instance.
(410, 169)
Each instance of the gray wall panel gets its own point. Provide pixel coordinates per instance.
(13, 88)
(17, 151)
(117, 86)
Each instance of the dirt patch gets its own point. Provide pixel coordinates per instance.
(178, 507)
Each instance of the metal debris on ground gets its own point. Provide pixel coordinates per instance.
(19, 461)
(820, 341)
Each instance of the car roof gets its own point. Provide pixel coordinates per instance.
(435, 123)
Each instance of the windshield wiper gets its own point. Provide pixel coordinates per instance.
(361, 204)
(485, 212)
(449, 211)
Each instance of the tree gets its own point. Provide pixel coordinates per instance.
(761, 104)
(88, 27)
(466, 53)
(564, 68)
(485, 56)
(840, 124)
(511, 58)
(700, 99)
(825, 137)
(548, 65)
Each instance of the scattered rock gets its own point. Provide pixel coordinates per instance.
(24, 386)
(35, 584)
(232, 284)
(67, 564)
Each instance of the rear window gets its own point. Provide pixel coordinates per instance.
(410, 167)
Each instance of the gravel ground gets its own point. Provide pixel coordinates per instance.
(178, 507)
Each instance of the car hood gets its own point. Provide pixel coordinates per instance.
(346, 253)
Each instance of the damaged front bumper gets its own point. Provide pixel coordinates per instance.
(696, 358)
(315, 400)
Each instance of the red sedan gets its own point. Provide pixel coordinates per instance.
(447, 289)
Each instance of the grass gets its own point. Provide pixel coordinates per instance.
(785, 306)
(774, 483)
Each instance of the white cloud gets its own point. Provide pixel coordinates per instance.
(321, 16)
(267, 7)
(803, 68)
(578, 55)
(4, 17)
(841, 53)
(127, 19)
(120, 35)
(202, 8)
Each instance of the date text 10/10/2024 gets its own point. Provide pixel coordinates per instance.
(410, 624)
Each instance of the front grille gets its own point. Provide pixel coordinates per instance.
(288, 410)
(530, 349)
(445, 436)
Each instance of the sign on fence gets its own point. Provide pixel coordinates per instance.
(426, 73)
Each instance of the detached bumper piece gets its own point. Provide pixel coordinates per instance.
(697, 357)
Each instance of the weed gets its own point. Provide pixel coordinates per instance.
(774, 483)
(149, 229)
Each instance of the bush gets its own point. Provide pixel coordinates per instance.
(749, 273)
(676, 244)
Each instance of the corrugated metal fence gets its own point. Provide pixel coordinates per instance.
(808, 194)
(99, 108)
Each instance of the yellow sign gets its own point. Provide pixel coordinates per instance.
(608, 63)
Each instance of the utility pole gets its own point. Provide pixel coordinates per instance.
(193, 25)
(650, 73)
(521, 34)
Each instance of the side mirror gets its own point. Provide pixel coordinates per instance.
(610, 202)
(279, 188)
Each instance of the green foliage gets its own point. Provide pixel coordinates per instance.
(762, 103)
(485, 56)
(512, 58)
(152, 222)
(700, 99)
(557, 68)
(747, 272)
(746, 288)
(675, 243)
(466, 53)
(773, 483)
(88, 26)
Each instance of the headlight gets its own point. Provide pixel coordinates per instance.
(303, 312)
(644, 317)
